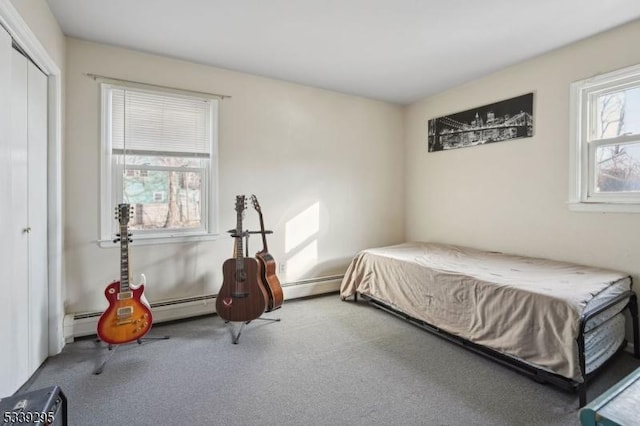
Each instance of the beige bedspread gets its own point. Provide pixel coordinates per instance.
(525, 307)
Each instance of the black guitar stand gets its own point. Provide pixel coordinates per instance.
(246, 234)
(112, 350)
(236, 336)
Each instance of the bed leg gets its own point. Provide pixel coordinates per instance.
(355, 296)
(582, 387)
(633, 308)
(582, 391)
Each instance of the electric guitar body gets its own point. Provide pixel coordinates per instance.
(242, 296)
(128, 317)
(268, 266)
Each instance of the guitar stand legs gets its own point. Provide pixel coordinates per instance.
(100, 367)
(152, 338)
(236, 336)
(112, 350)
(268, 319)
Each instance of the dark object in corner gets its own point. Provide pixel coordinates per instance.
(43, 406)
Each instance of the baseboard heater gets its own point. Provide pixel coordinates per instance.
(84, 324)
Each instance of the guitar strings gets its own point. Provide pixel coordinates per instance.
(124, 145)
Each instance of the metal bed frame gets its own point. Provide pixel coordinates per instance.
(537, 374)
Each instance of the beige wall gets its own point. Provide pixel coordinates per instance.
(295, 147)
(512, 196)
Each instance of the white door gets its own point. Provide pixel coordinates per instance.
(23, 218)
(37, 217)
(18, 199)
(8, 357)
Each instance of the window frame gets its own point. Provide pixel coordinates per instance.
(583, 143)
(110, 177)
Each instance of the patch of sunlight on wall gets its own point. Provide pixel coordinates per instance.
(303, 260)
(300, 241)
(301, 227)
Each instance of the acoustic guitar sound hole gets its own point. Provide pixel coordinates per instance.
(239, 295)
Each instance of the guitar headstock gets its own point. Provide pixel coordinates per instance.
(256, 205)
(124, 213)
(241, 203)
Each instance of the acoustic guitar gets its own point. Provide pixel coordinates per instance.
(242, 296)
(268, 266)
(128, 316)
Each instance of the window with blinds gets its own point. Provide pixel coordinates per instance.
(605, 142)
(159, 156)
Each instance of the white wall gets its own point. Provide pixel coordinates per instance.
(295, 147)
(512, 196)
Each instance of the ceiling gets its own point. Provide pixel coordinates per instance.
(393, 50)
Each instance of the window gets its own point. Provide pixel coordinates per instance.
(605, 157)
(159, 154)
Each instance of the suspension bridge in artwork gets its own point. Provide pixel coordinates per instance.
(451, 133)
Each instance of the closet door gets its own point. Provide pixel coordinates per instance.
(37, 217)
(8, 337)
(18, 199)
(23, 218)
(29, 201)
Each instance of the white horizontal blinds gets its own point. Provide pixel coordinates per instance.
(158, 123)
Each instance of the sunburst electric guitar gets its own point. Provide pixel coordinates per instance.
(128, 316)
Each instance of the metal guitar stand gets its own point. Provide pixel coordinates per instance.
(246, 234)
(112, 350)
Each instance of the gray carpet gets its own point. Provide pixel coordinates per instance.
(327, 362)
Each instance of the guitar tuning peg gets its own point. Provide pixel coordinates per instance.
(130, 240)
(115, 240)
(129, 234)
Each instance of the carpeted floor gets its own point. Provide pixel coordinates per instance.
(328, 362)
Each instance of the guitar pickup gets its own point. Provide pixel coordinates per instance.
(125, 312)
(124, 295)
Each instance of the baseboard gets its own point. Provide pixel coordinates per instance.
(311, 287)
(85, 324)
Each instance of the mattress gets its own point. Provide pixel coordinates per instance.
(526, 308)
(602, 342)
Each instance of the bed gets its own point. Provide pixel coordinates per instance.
(555, 321)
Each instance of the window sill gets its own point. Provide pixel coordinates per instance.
(593, 207)
(144, 240)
